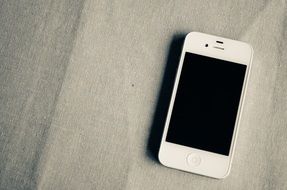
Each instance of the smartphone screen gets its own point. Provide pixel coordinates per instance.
(206, 103)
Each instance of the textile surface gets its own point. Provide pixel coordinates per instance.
(84, 89)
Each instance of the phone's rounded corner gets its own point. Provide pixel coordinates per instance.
(225, 174)
(191, 35)
(160, 159)
(250, 47)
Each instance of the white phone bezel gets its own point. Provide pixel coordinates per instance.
(175, 155)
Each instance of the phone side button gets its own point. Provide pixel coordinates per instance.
(193, 160)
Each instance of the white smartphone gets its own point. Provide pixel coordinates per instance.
(204, 112)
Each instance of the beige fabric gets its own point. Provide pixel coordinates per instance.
(84, 86)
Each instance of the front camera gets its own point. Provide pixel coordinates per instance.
(206, 45)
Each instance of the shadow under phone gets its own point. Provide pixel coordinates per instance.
(164, 96)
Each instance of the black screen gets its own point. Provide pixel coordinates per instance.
(206, 103)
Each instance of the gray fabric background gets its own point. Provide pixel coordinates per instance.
(84, 87)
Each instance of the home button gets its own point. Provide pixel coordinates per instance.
(193, 159)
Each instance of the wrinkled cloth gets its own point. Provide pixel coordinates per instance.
(84, 88)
